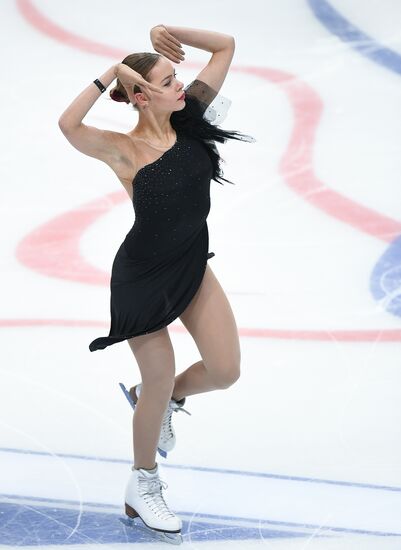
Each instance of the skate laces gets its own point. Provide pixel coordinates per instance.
(167, 429)
(150, 491)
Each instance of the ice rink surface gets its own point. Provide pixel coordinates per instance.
(304, 451)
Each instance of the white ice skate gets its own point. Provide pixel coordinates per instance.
(167, 435)
(144, 499)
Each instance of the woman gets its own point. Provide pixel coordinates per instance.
(160, 271)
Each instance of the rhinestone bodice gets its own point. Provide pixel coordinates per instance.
(171, 198)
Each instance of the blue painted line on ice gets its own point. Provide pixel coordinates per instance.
(213, 470)
(54, 524)
(348, 32)
(27, 524)
(385, 280)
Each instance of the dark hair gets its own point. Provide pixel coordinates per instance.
(189, 120)
(140, 62)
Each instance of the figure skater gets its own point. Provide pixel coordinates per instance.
(160, 271)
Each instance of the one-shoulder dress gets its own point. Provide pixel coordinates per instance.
(160, 265)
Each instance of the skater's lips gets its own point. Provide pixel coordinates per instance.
(182, 96)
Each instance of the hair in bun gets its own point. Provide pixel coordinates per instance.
(140, 62)
(119, 95)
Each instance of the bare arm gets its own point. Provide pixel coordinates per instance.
(104, 145)
(89, 140)
(167, 41)
(73, 115)
(209, 41)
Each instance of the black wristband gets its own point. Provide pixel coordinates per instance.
(99, 85)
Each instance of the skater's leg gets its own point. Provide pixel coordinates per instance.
(154, 354)
(195, 379)
(210, 321)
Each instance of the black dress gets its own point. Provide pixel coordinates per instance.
(161, 263)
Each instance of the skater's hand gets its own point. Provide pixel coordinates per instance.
(166, 44)
(128, 78)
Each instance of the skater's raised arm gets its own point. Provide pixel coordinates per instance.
(94, 142)
(209, 41)
(167, 40)
(73, 115)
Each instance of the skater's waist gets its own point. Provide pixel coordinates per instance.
(142, 245)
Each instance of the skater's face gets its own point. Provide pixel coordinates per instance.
(164, 75)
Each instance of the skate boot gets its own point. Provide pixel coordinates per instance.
(167, 435)
(144, 499)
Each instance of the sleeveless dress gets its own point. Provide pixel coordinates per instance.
(160, 265)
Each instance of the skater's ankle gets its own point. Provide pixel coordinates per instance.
(152, 470)
(178, 399)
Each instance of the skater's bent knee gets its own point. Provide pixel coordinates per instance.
(224, 378)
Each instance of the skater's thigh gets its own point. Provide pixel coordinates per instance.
(154, 354)
(210, 321)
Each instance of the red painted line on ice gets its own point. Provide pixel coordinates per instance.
(40, 22)
(53, 248)
(296, 165)
(9, 323)
(372, 335)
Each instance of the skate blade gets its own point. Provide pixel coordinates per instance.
(131, 402)
(127, 395)
(137, 523)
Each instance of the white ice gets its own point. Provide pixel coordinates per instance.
(308, 440)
